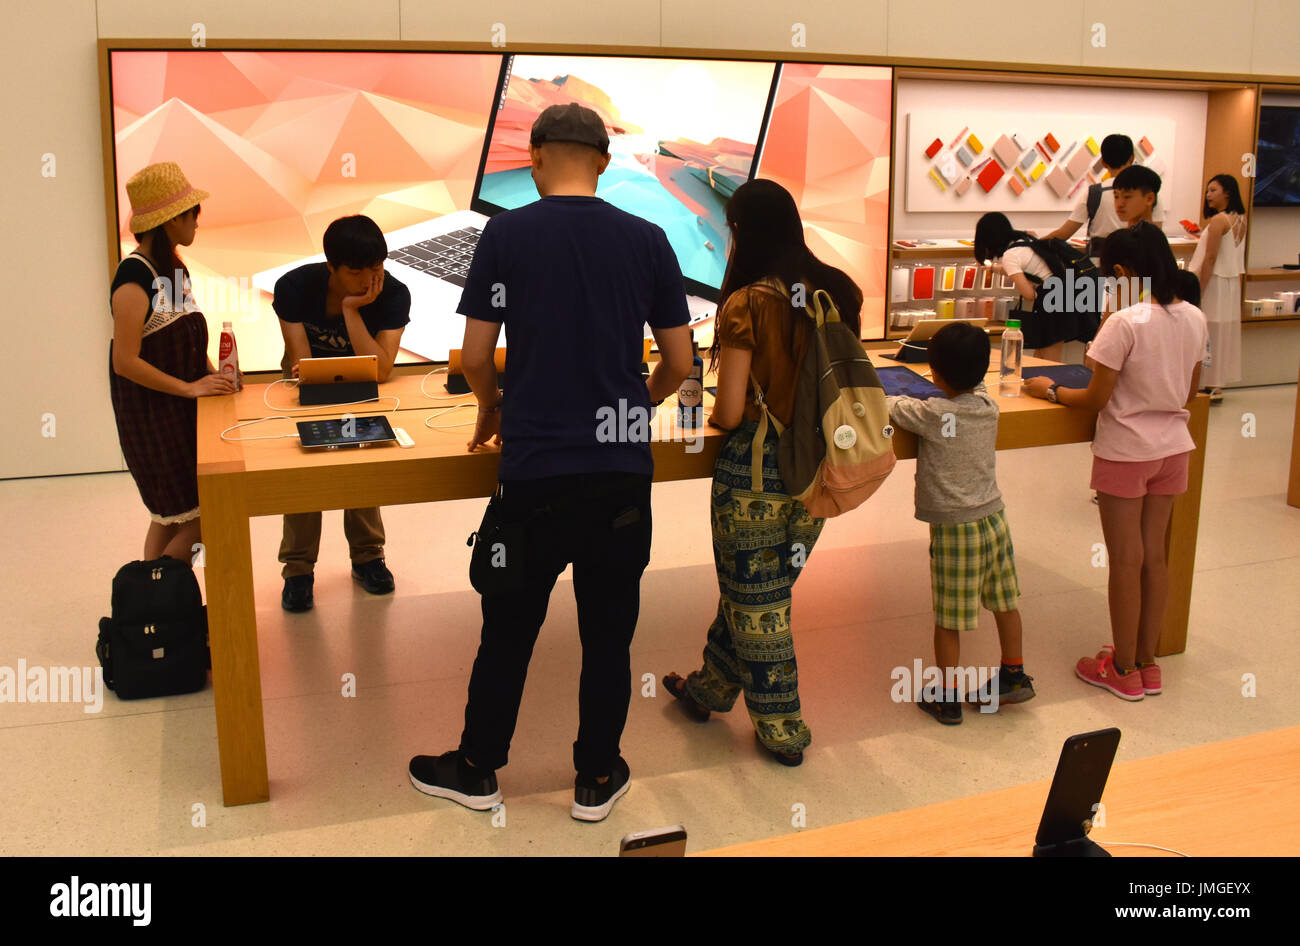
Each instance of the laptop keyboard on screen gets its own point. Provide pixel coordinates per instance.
(447, 256)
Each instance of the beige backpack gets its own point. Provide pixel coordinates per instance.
(838, 447)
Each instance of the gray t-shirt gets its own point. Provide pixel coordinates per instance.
(956, 476)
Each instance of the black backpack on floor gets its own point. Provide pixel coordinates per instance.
(156, 642)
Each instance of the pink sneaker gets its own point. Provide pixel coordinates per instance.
(1151, 679)
(1100, 672)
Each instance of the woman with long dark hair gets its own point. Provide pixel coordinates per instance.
(1218, 262)
(1030, 262)
(158, 359)
(761, 540)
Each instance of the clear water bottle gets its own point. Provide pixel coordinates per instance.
(1013, 345)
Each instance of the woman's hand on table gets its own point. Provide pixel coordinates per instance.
(1037, 387)
(209, 385)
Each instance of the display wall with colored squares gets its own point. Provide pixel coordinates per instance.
(1017, 160)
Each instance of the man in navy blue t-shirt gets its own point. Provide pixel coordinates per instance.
(573, 279)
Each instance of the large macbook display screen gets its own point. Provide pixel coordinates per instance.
(683, 135)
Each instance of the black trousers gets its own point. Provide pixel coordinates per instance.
(600, 522)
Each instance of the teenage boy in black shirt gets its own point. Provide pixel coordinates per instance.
(345, 306)
(573, 279)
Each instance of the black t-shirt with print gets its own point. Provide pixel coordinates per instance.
(300, 297)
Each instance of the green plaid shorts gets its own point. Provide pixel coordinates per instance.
(972, 563)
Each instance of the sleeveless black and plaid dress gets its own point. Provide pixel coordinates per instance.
(157, 430)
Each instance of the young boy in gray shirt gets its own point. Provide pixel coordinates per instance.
(971, 558)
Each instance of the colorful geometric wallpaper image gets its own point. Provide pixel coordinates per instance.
(286, 142)
(682, 138)
(828, 143)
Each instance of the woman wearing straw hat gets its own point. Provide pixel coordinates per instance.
(158, 359)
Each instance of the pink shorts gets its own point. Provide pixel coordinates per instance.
(1131, 480)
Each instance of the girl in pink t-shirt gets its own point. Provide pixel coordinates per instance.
(1146, 364)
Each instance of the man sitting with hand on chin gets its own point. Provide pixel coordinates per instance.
(344, 306)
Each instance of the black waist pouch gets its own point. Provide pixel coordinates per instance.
(498, 564)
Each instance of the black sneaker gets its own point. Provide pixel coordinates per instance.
(447, 776)
(593, 801)
(297, 594)
(945, 711)
(374, 576)
(1012, 688)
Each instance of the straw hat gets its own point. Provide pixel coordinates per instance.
(158, 193)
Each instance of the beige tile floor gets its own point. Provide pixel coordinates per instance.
(127, 780)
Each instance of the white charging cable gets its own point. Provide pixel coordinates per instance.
(439, 397)
(258, 421)
(448, 410)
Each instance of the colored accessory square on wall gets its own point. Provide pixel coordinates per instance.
(1039, 170)
(1146, 145)
(948, 169)
(1092, 146)
(1052, 144)
(962, 186)
(944, 308)
(1006, 152)
(1015, 184)
(934, 148)
(923, 282)
(1078, 165)
(975, 144)
(990, 176)
(1008, 282)
(934, 176)
(1058, 182)
(989, 276)
(948, 281)
(968, 274)
(965, 157)
(898, 284)
(1027, 161)
(1019, 142)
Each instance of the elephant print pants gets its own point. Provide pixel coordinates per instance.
(761, 542)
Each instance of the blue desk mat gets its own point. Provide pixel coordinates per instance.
(896, 379)
(1068, 376)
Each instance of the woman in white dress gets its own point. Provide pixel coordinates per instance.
(1218, 262)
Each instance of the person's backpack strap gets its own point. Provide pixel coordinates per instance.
(760, 435)
(1094, 201)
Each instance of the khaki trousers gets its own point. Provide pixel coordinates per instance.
(301, 542)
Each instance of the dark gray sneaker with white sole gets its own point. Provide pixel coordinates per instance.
(592, 800)
(449, 776)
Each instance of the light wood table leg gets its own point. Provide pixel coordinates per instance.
(1180, 543)
(1293, 488)
(232, 631)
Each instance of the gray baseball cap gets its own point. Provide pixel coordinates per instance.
(571, 122)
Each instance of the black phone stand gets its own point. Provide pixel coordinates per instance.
(338, 393)
(1075, 847)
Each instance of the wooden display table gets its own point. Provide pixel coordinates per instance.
(1239, 798)
(1293, 487)
(272, 477)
